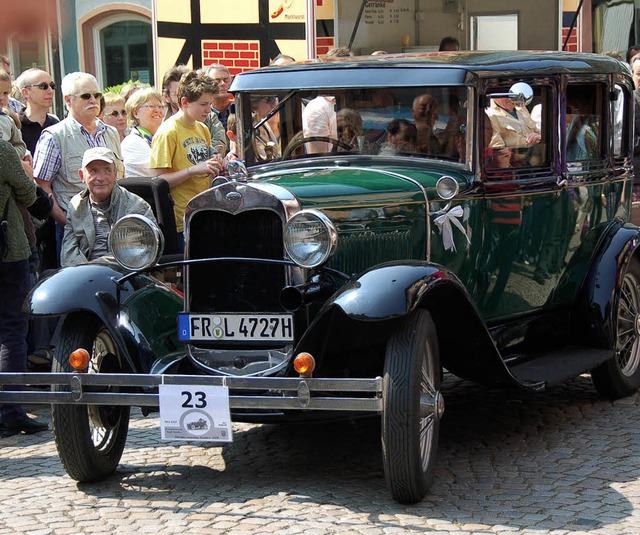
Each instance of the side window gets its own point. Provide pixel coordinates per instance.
(584, 122)
(619, 110)
(516, 134)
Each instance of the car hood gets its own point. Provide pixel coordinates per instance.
(342, 182)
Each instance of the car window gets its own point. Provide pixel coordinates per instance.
(426, 122)
(521, 130)
(584, 122)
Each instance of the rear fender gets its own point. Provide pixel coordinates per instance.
(366, 310)
(594, 318)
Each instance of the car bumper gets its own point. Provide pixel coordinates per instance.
(257, 393)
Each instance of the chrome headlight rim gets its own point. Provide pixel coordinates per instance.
(329, 229)
(447, 187)
(154, 247)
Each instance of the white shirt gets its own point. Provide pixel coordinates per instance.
(136, 153)
(319, 119)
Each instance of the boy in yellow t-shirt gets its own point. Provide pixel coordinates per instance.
(180, 147)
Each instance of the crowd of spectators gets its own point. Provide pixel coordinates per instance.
(72, 164)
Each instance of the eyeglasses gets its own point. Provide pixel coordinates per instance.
(87, 96)
(151, 107)
(115, 113)
(44, 85)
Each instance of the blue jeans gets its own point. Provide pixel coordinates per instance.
(14, 286)
(59, 236)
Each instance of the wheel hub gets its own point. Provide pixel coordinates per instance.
(636, 325)
(431, 405)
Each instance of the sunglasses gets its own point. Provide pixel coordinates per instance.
(87, 96)
(44, 85)
(115, 113)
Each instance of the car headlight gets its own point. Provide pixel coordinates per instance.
(310, 238)
(136, 242)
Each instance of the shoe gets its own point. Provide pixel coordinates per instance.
(40, 357)
(22, 424)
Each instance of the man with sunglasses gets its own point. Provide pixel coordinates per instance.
(38, 90)
(59, 152)
(221, 107)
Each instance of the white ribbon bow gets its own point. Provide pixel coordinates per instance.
(444, 224)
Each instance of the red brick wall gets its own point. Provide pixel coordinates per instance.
(323, 45)
(237, 56)
(572, 45)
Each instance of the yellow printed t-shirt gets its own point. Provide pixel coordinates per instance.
(177, 146)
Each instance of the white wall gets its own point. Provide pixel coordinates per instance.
(538, 22)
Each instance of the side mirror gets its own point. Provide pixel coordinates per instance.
(520, 94)
(523, 94)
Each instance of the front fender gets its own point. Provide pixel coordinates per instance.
(594, 319)
(140, 313)
(360, 316)
(85, 287)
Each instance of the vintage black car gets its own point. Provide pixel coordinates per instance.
(387, 226)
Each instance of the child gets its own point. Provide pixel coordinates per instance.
(9, 121)
(181, 146)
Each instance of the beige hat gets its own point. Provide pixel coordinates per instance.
(98, 153)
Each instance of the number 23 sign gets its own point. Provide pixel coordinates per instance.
(195, 412)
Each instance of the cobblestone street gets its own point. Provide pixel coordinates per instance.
(560, 462)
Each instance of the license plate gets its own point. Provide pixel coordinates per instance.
(235, 327)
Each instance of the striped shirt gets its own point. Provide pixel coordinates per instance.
(48, 157)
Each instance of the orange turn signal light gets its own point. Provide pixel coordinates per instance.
(304, 364)
(79, 359)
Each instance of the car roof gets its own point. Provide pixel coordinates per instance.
(419, 69)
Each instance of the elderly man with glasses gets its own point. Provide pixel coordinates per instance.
(59, 152)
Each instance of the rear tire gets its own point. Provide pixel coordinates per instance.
(410, 438)
(620, 376)
(90, 438)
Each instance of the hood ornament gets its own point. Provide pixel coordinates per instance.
(237, 170)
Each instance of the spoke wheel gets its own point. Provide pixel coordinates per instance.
(90, 438)
(412, 408)
(620, 376)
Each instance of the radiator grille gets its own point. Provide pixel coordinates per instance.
(235, 286)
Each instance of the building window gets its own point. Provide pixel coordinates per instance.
(126, 51)
(494, 32)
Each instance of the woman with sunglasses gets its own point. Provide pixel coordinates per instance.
(145, 113)
(114, 113)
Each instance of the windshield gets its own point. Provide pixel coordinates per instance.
(426, 122)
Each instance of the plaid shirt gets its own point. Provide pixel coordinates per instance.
(48, 157)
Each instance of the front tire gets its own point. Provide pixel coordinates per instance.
(412, 408)
(90, 438)
(620, 376)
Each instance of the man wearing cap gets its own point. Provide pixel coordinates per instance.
(92, 213)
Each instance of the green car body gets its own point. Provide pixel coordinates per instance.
(432, 253)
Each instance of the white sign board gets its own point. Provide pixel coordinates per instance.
(194, 412)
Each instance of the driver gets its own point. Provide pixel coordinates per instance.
(319, 119)
(512, 125)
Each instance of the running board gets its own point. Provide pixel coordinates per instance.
(558, 366)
